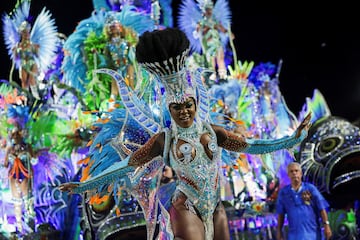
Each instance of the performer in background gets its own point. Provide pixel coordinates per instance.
(31, 47)
(209, 35)
(106, 39)
(209, 30)
(18, 156)
(120, 51)
(27, 51)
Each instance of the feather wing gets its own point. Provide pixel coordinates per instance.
(10, 26)
(11, 35)
(44, 34)
(189, 16)
(74, 66)
(138, 21)
(222, 14)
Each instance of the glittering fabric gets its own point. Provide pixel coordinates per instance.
(238, 143)
(144, 186)
(198, 177)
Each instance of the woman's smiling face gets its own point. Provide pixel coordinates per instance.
(183, 113)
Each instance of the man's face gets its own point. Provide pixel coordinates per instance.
(183, 113)
(294, 173)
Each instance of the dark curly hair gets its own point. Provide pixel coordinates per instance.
(160, 45)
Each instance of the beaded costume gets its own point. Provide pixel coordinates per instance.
(211, 39)
(206, 26)
(195, 161)
(26, 56)
(19, 165)
(39, 50)
(198, 177)
(198, 180)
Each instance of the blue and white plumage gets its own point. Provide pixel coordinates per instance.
(44, 33)
(190, 14)
(74, 65)
(11, 25)
(43, 26)
(222, 14)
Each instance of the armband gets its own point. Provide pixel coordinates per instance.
(234, 142)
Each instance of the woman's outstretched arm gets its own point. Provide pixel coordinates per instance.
(237, 143)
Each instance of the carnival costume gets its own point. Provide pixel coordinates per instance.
(204, 31)
(160, 10)
(34, 168)
(113, 159)
(20, 160)
(91, 47)
(37, 51)
(20, 163)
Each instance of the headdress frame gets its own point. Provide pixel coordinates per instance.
(167, 62)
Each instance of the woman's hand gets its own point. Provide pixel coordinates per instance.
(305, 125)
(68, 187)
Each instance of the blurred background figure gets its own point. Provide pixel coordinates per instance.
(18, 157)
(29, 49)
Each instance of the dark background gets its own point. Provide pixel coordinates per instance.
(319, 44)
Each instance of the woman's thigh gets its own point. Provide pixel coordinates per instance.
(221, 225)
(185, 224)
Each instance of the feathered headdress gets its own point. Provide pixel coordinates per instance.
(164, 53)
(173, 75)
(205, 4)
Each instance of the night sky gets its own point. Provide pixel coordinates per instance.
(318, 44)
